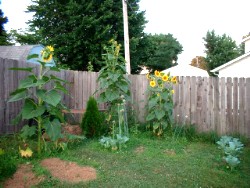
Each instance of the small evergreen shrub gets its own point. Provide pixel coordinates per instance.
(92, 121)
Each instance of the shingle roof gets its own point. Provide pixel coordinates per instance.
(16, 52)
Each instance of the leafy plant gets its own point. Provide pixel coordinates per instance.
(231, 147)
(92, 120)
(120, 134)
(112, 79)
(160, 101)
(114, 87)
(41, 104)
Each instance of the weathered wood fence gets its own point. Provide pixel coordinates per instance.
(211, 104)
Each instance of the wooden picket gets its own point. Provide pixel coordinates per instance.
(211, 104)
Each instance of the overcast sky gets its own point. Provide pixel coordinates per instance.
(187, 20)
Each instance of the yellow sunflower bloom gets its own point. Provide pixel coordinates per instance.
(50, 48)
(157, 73)
(165, 78)
(148, 76)
(152, 83)
(172, 91)
(174, 80)
(47, 54)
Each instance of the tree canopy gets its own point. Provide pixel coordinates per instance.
(79, 30)
(4, 38)
(162, 51)
(219, 49)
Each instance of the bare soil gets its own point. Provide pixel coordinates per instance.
(62, 170)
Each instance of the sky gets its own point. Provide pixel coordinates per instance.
(187, 20)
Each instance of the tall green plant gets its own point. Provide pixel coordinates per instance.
(160, 101)
(41, 104)
(112, 79)
(114, 87)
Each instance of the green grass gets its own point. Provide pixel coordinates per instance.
(165, 162)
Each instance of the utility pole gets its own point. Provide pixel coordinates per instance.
(126, 36)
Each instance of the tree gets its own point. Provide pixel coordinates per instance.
(80, 29)
(162, 51)
(4, 38)
(219, 49)
(199, 62)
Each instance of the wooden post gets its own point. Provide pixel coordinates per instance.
(126, 36)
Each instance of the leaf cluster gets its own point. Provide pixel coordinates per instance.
(160, 101)
(220, 49)
(41, 102)
(112, 79)
(231, 147)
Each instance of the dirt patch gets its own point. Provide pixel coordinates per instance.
(68, 171)
(139, 149)
(24, 177)
(72, 129)
(63, 170)
(170, 152)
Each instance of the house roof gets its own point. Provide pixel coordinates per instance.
(231, 62)
(186, 70)
(16, 52)
(21, 53)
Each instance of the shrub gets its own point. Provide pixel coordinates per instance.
(92, 120)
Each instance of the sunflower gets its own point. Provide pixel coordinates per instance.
(174, 80)
(157, 73)
(148, 76)
(152, 83)
(47, 53)
(165, 78)
(172, 91)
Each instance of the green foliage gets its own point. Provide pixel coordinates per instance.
(161, 51)
(112, 79)
(114, 87)
(92, 121)
(120, 133)
(231, 147)
(44, 106)
(160, 102)
(7, 165)
(79, 29)
(220, 49)
(4, 37)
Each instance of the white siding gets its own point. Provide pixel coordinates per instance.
(237, 69)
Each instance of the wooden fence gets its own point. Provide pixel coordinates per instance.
(211, 104)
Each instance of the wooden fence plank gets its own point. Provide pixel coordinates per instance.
(223, 107)
(229, 115)
(193, 100)
(241, 105)
(216, 108)
(210, 107)
(247, 109)
(235, 105)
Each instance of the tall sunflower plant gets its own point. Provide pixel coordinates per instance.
(41, 105)
(160, 101)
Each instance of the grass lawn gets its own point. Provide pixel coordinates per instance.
(147, 162)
